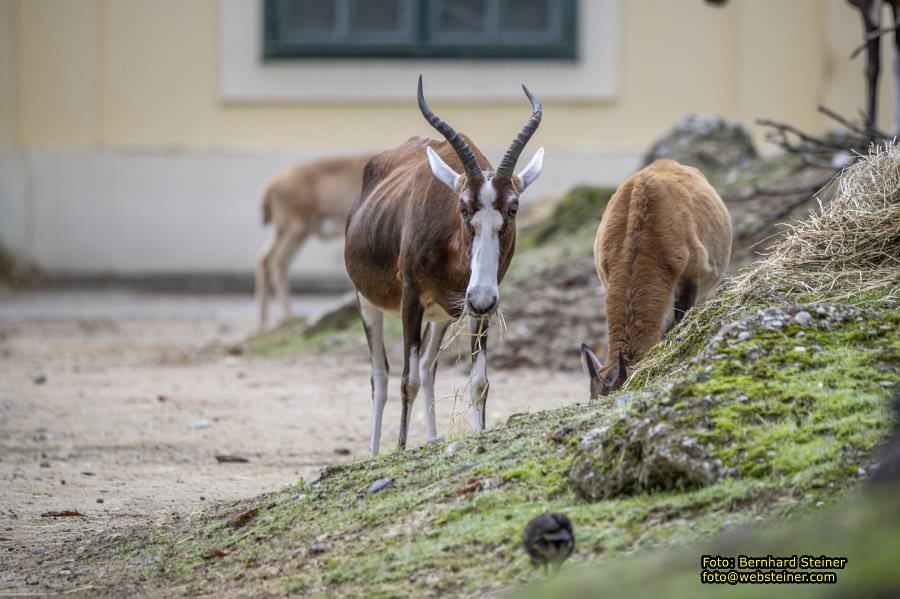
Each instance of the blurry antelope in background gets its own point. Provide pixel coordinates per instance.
(431, 237)
(662, 246)
(312, 198)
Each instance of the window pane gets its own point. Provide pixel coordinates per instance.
(462, 16)
(525, 16)
(311, 16)
(377, 16)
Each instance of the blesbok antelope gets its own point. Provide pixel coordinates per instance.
(308, 199)
(431, 236)
(664, 242)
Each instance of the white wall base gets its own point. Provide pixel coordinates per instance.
(171, 212)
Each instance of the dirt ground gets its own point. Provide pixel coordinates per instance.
(114, 406)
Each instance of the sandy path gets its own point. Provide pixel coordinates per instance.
(140, 395)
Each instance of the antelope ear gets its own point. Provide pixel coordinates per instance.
(590, 363)
(532, 171)
(442, 170)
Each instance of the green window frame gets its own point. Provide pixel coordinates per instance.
(419, 32)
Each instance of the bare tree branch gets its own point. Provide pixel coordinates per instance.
(873, 35)
(803, 191)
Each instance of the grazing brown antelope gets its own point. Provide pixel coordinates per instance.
(663, 243)
(431, 236)
(308, 199)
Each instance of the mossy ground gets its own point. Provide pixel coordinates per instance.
(799, 429)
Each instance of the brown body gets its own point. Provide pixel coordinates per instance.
(406, 227)
(662, 246)
(309, 199)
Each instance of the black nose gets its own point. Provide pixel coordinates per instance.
(482, 300)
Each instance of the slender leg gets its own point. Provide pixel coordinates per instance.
(263, 266)
(373, 323)
(427, 370)
(685, 297)
(284, 253)
(478, 382)
(411, 312)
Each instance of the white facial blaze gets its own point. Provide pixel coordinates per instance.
(486, 242)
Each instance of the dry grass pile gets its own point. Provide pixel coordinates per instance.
(846, 248)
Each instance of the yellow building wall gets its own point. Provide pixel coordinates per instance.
(138, 73)
(7, 75)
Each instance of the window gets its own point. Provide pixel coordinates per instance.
(532, 29)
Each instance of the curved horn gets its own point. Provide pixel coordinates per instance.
(466, 156)
(505, 170)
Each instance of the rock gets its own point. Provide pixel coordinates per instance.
(453, 447)
(803, 318)
(719, 147)
(774, 319)
(197, 424)
(39, 379)
(559, 434)
(338, 316)
(641, 452)
(317, 476)
(379, 485)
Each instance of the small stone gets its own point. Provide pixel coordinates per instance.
(800, 335)
(453, 447)
(317, 476)
(744, 335)
(197, 424)
(803, 318)
(886, 384)
(559, 434)
(45, 464)
(799, 349)
(39, 379)
(317, 548)
(99, 500)
(379, 485)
